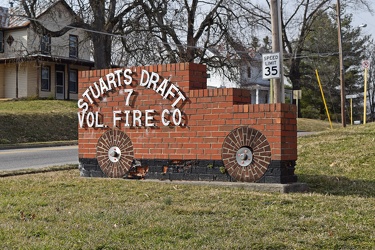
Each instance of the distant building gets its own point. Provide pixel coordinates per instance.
(40, 65)
(250, 77)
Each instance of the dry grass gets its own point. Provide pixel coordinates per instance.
(37, 121)
(340, 161)
(60, 210)
(37, 106)
(310, 125)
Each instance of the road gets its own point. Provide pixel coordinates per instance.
(13, 159)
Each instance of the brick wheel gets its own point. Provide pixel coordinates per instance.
(246, 154)
(114, 153)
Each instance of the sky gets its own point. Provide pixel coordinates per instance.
(365, 18)
(360, 17)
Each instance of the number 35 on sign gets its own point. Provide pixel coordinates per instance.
(271, 66)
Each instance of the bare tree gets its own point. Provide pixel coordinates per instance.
(217, 33)
(100, 18)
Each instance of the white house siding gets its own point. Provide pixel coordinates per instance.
(218, 80)
(60, 45)
(53, 20)
(32, 79)
(22, 80)
(56, 20)
(10, 81)
(18, 48)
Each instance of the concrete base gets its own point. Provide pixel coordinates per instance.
(258, 187)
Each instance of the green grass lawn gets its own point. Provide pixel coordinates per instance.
(310, 125)
(60, 210)
(37, 106)
(29, 121)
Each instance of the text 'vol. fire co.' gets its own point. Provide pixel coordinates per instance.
(124, 82)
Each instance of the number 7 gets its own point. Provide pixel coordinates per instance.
(130, 92)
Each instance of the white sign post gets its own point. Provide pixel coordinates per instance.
(271, 65)
(297, 94)
(351, 106)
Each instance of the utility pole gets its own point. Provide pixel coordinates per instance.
(278, 88)
(342, 80)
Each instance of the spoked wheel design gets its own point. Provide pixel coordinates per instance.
(114, 153)
(246, 154)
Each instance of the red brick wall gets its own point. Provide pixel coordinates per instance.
(209, 116)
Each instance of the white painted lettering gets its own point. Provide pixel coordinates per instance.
(180, 97)
(103, 87)
(127, 75)
(86, 94)
(81, 117)
(97, 125)
(90, 120)
(97, 95)
(137, 114)
(111, 80)
(170, 92)
(127, 112)
(136, 118)
(154, 78)
(116, 118)
(83, 105)
(143, 82)
(162, 87)
(149, 118)
(163, 120)
(117, 73)
(130, 92)
(177, 117)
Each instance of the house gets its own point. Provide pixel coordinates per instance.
(34, 65)
(249, 77)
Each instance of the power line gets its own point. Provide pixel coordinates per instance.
(116, 35)
(328, 54)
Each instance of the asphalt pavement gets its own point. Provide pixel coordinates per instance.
(38, 157)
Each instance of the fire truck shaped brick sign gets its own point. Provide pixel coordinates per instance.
(161, 122)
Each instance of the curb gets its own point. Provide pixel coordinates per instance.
(38, 144)
(297, 187)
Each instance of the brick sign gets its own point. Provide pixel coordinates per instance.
(162, 122)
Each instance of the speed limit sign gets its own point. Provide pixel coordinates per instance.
(271, 66)
(365, 64)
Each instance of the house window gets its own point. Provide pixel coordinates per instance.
(46, 78)
(248, 72)
(73, 46)
(45, 45)
(73, 81)
(1, 41)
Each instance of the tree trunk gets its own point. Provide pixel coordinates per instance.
(102, 50)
